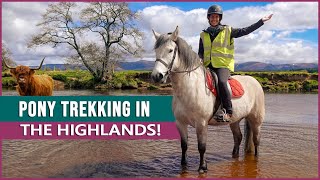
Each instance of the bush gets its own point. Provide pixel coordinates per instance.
(79, 84)
(130, 84)
(60, 77)
(6, 74)
(124, 80)
(262, 80)
(294, 86)
(310, 85)
(8, 82)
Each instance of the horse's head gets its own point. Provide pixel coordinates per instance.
(166, 53)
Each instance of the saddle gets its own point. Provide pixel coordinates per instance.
(235, 88)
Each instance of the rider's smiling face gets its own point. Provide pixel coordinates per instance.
(214, 19)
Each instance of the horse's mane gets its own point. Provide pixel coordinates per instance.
(188, 57)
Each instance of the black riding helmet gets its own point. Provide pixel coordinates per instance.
(215, 9)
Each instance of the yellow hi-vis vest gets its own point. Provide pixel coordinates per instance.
(221, 51)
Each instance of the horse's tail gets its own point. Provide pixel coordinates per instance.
(248, 146)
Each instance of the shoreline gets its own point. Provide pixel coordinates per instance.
(273, 82)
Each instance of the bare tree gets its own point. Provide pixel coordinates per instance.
(113, 22)
(6, 56)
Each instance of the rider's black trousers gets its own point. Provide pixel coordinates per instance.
(225, 97)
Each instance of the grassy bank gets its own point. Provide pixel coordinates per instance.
(298, 81)
(287, 81)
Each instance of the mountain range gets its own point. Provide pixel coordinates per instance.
(247, 66)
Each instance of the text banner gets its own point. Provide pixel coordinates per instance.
(86, 109)
(103, 131)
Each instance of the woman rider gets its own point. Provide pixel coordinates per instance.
(216, 49)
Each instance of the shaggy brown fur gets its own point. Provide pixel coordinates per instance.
(30, 84)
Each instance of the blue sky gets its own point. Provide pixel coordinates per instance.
(309, 35)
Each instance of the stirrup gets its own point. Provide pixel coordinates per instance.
(220, 116)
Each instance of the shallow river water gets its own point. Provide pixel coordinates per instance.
(289, 149)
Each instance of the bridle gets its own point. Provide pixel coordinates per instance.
(169, 66)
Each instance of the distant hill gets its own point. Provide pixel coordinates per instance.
(61, 66)
(138, 65)
(247, 66)
(259, 66)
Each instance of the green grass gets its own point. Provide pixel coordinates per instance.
(69, 74)
(74, 79)
(288, 81)
(126, 80)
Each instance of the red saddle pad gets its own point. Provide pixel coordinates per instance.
(236, 87)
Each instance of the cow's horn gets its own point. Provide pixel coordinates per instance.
(10, 67)
(39, 66)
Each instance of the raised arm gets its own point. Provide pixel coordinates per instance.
(238, 32)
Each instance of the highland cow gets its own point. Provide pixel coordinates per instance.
(30, 84)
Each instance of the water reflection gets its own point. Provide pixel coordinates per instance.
(247, 168)
(289, 149)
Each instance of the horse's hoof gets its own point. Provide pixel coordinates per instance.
(202, 171)
(203, 168)
(235, 155)
(184, 169)
(256, 154)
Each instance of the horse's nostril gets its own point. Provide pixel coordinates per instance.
(160, 76)
(157, 77)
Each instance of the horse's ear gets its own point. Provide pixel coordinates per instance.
(156, 35)
(174, 35)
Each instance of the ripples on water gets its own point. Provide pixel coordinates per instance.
(289, 149)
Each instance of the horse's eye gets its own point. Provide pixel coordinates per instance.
(170, 51)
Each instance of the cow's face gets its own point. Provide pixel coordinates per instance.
(23, 75)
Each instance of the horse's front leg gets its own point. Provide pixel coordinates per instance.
(202, 130)
(183, 130)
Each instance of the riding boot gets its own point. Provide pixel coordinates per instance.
(222, 116)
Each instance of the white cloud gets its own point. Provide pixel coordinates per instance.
(275, 50)
(286, 16)
(284, 34)
(19, 22)
(165, 18)
(270, 43)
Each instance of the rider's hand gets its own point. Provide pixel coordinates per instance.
(266, 18)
